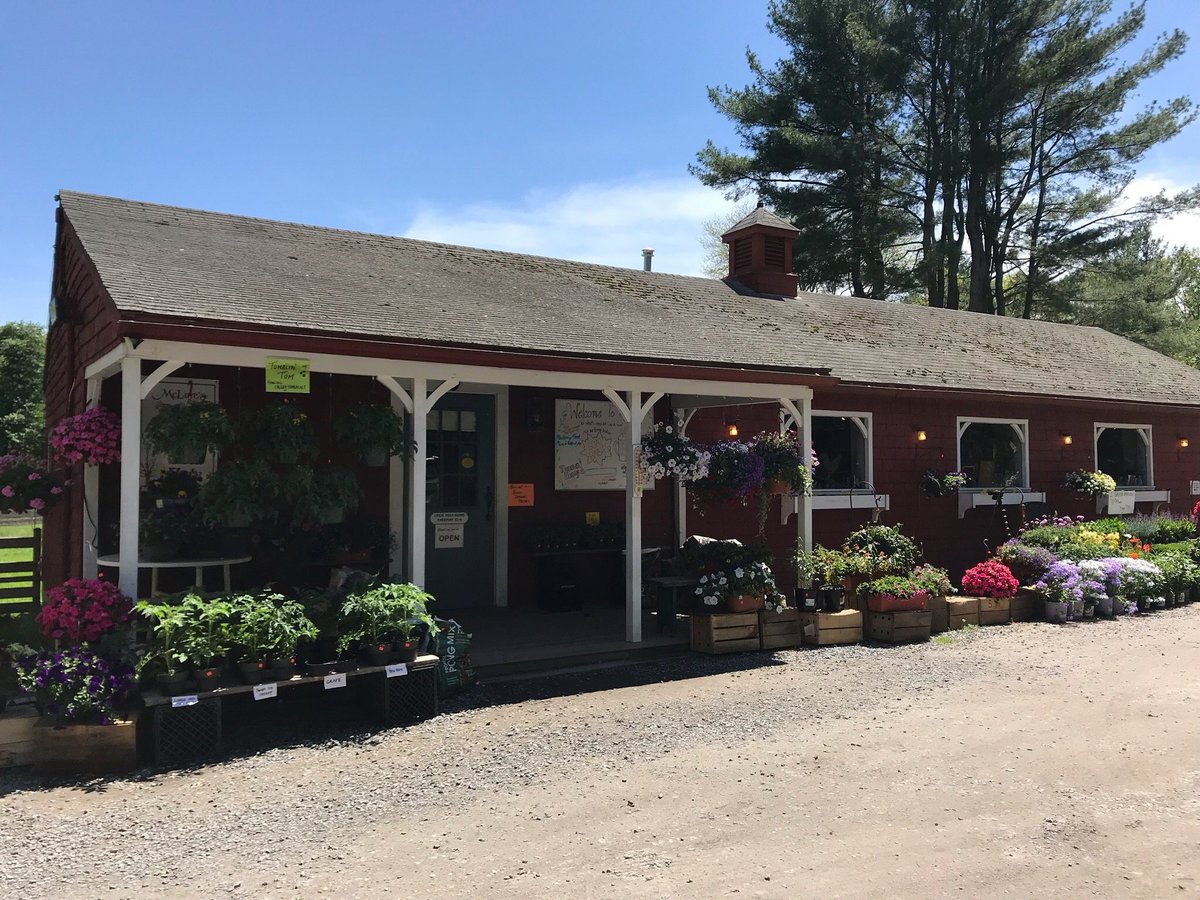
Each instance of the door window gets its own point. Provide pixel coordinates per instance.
(453, 446)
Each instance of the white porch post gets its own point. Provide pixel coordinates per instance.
(682, 418)
(633, 522)
(91, 495)
(131, 464)
(396, 517)
(417, 470)
(804, 518)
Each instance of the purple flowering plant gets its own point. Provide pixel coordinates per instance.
(1061, 583)
(1027, 562)
(75, 685)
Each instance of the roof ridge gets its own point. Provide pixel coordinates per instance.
(512, 254)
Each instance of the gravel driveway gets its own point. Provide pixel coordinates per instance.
(1021, 760)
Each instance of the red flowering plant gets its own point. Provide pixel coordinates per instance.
(93, 438)
(1196, 513)
(83, 610)
(27, 484)
(989, 579)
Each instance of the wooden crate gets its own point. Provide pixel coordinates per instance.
(779, 630)
(961, 611)
(725, 632)
(941, 615)
(825, 629)
(899, 627)
(994, 611)
(957, 622)
(16, 736)
(1028, 606)
(85, 749)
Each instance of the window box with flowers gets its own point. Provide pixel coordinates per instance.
(894, 593)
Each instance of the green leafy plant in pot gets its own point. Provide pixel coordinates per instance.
(166, 650)
(374, 432)
(186, 432)
(281, 429)
(207, 636)
(239, 493)
(286, 630)
(254, 617)
(386, 621)
(333, 492)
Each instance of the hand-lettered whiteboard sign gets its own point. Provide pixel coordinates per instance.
(286, 376)
(590, 445)
(1120, 503)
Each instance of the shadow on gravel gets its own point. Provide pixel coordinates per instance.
(252, 730)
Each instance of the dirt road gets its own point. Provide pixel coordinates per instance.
(1028, 760)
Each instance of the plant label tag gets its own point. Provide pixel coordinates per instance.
(395, 670)
(186, 700)
(335, 681)
(266, 691)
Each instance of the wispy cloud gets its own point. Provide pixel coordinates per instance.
(1180, 230)
(603, 223)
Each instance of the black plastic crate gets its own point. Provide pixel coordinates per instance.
(185, 735)
(410, 698)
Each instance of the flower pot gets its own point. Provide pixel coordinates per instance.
(882, 603)
(252, 671)
(207, 679)
(1180, 598)
(833, 597)
(347, 664)
(173, 683)
(805, 599)
(376, 457)
(406, 651)
(282, 668)
(744, 603)
(777, 486)
(1119, 607)
(189, 455)
(1089, 609)
(378, 654)
(320, 668)
(1104, 607)
(1057, 612)
(1076, 610)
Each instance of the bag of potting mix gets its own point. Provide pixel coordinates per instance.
(452, 646)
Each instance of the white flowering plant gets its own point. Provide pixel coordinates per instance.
(665, 452)
(749, 579)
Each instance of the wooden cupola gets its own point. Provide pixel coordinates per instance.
(760, 253)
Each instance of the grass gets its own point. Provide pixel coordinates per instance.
(951, 637)
(7, 554)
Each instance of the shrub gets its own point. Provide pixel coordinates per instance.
(1049, 536)
(1171, 529)
(902, 587)
(934, 580)
(989, 579)
(1027, 562)
(883, 549)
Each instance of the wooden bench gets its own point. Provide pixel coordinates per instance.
(666, 595)
(21, 580)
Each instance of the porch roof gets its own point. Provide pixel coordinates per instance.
(172, 265)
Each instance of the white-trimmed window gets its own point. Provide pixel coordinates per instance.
(843, 444)
(1126, 452)
(994, 453)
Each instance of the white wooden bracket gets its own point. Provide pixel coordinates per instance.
(398, 390)
(151, 381)
(618, 401)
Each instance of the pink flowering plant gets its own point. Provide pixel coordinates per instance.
(27, 484)
(92, 438)
(83, 610)
(989, 579)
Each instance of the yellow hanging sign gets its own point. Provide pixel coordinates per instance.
(286, 376)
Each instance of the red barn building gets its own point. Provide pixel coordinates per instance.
(490, 354)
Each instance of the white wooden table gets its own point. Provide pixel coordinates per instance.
(198, 564)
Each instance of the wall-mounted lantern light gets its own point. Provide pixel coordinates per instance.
(1183, 442)
(1067, 439)
(920, 434)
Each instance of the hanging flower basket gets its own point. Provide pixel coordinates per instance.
(92, 438)
(28, 485)
(665, 452)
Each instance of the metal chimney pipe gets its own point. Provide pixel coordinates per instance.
(647, 255)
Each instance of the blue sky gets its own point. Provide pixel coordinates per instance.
(556, 128)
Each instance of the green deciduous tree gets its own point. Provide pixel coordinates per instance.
(22, 353)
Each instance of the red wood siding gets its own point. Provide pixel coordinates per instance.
(900, 460)
(86, 328)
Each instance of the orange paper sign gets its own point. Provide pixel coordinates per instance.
(520, 495)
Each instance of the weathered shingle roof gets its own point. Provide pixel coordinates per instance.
(761, 216)
(191, 265)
